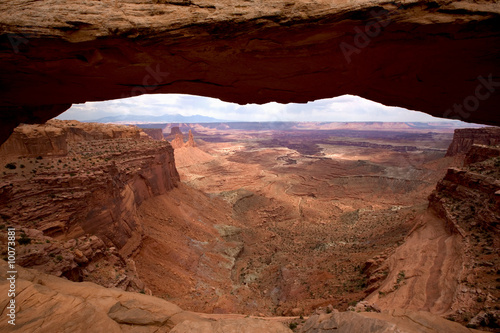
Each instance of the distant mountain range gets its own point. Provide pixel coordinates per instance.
(166, 118)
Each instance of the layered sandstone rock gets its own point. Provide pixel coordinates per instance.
(480, 153)
(447, 263)
(85, 258)
(95, 189)
(36, 140)
(466, 137)
(250, 52)
(52, 138)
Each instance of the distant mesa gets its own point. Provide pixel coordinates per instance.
(174, 131)
(154, 133)
(166, 118)
(312, 125)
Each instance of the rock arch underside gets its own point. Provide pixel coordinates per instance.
(439, 57)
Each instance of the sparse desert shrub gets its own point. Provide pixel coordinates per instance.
(24, 240)
(10, 166)
(401, 276)
(292, 326)
(39, 158)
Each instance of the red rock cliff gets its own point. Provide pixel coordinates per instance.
(95, 189)
(463, 139)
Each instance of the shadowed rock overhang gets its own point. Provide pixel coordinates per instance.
(439, 57)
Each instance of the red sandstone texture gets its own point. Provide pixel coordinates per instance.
(178, 141)
(439, 57)
(449, 262)
(465, 138)
(287, 223)
(89, 180)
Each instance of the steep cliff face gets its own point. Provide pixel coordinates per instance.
(470, 197)
(465, 138)
(480, 153)
(95, 189)
(250, 52)
(36, 140)
(449, 262)
(52, 138)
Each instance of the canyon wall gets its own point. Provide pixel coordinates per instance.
(466, 137)
(33, 141)
(95, 189)
(448, 263)
(52, 138)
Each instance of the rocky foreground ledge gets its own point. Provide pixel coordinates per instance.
(45, 303)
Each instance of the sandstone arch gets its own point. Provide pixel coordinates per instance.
(422, 55)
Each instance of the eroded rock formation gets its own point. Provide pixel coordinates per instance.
(190, 142)
(439, 57)
(463, 139)
(178, 142)
(448, 262)
(95, 189)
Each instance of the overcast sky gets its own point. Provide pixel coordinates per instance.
(342, 108)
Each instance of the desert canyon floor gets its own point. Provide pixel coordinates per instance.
(279, 223)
